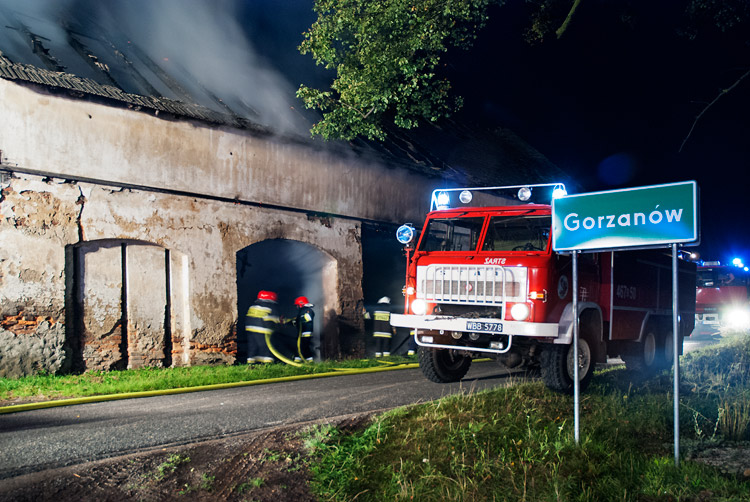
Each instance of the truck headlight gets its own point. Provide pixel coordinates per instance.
(419, 307)
(738, 318)
(520, 312)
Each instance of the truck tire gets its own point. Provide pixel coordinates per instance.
(668, 349)
(651, 355)
(443, 365)
(557, 366)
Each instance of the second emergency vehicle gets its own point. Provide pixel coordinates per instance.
(722, 299)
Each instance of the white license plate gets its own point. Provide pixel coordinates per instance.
(484, 327)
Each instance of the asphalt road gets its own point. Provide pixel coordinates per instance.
(55, 437)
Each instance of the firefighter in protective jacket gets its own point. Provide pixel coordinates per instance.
(262, 319)
(381, 327)
(304, 324)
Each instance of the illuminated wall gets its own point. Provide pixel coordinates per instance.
(120, 231)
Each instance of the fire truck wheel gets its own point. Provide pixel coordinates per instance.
(443, 365)
(652, 354)
(558, 370)
(668, 349)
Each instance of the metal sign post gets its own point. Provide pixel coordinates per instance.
(576, 385)
(633, 218)
(676, 356)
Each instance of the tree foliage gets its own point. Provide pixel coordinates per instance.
(549, 17)
(386, 55)
(726, 16)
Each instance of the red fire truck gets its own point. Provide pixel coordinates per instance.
(484, 281)
(722, 303)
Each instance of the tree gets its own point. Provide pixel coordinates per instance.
(728, 17)
(386, 55)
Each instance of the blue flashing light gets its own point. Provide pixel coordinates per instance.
(559, 191)
(405, 234)
(443, 201)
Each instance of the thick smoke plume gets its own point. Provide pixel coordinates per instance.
(187, 49)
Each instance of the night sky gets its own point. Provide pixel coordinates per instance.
(610, 103)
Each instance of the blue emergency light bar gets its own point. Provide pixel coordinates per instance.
(441, 197)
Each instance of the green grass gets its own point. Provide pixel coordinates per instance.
(516, 444)
(49, 387)
(169, 466)
(249, 485)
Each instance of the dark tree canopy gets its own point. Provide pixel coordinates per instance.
(386, 56)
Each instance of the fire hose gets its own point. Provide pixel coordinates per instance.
(281, 357)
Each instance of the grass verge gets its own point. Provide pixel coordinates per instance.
(44, 387)
(516, 444)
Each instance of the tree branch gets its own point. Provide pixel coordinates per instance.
(565, 24)
(721, 93)
(363, 115)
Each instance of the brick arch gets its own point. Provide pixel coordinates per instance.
(129, 302)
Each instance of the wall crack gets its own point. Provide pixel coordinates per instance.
(81, 201)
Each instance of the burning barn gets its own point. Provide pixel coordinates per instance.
(141, 210)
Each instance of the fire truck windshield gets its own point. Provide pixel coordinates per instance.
(716, 277)
(452, 234)
(518, 233)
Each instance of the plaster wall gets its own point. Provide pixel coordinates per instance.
(42, 220)
(94, 276)
(86, 139)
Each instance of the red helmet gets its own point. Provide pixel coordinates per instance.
(301, 301)
(268, 295)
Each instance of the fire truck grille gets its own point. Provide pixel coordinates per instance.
(467, 289)
(471, 284)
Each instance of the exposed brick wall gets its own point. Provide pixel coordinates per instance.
(30, 344)
(24, 324)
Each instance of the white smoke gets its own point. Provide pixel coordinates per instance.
(201, 44)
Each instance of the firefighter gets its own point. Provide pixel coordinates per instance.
(304, 324)
(262, 319)
(381, 327)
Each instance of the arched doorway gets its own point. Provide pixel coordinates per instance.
(129, 301)
(291, 269)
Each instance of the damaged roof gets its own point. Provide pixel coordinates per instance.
(87, 61)
(80, 87)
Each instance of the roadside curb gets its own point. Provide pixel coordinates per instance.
(16, 408)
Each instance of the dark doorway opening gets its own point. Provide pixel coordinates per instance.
(291, 269)
(384, 273)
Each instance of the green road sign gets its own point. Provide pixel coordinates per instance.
(648, 216)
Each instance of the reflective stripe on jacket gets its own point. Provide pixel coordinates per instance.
(262, 318)
(381, 324)
(305, 318)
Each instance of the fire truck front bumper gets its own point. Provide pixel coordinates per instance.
(475, 325)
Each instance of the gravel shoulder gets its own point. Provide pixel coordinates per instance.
(268, 465)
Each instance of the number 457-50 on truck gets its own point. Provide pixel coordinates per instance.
(484, 281)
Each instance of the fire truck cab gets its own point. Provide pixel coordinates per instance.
(722, 299)
(484, 281)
